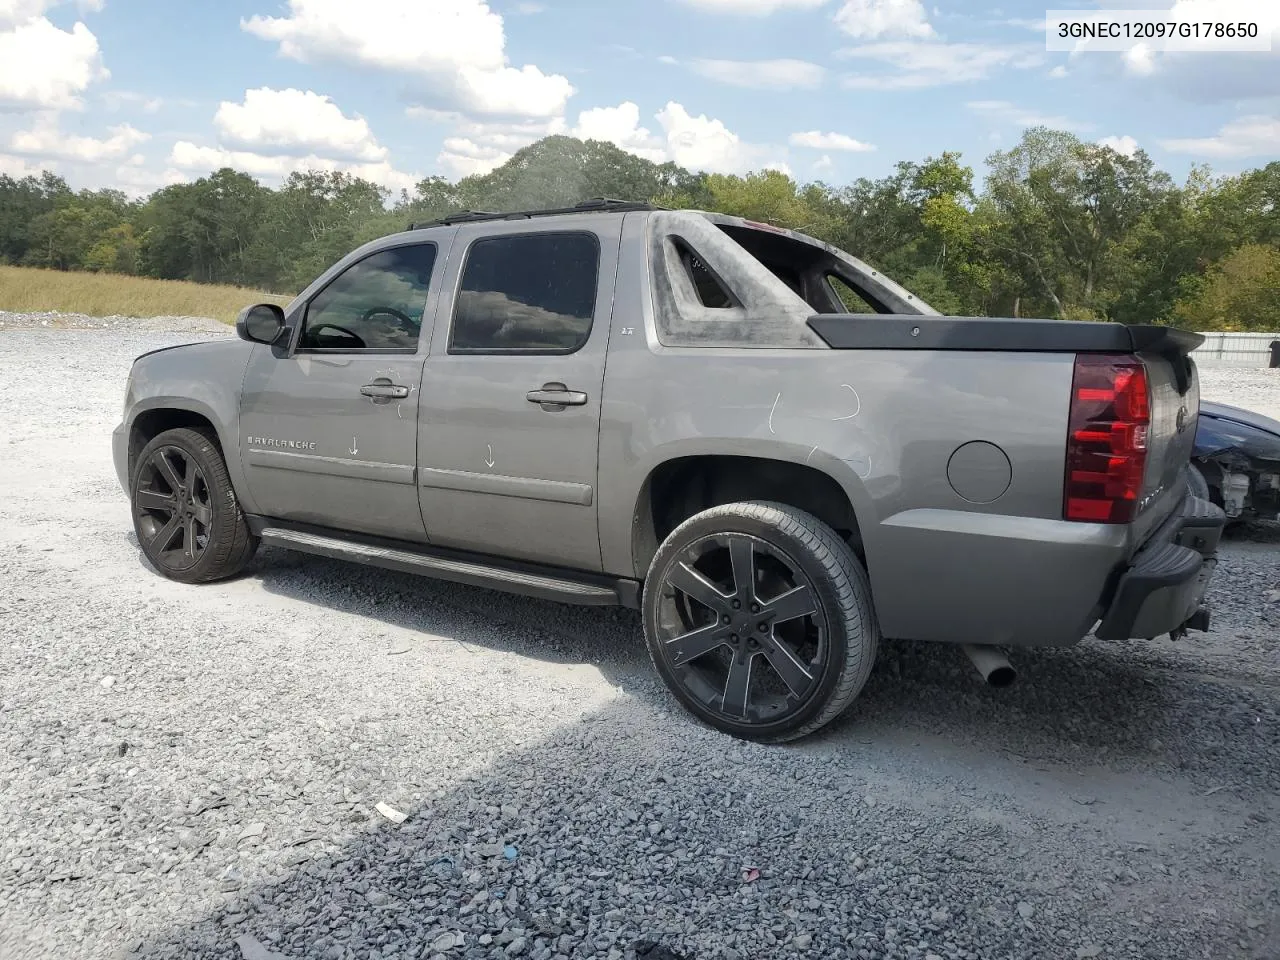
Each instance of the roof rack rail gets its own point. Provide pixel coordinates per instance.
(459, 216)
(596, 204)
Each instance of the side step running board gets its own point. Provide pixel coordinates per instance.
(546, 586)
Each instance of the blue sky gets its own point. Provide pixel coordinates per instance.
(139, 93)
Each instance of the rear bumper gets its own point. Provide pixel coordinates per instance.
(1163, 587)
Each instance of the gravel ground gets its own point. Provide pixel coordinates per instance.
(1252, 388)
(57, 320)
(195, 771)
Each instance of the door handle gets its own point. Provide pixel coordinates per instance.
(384, 391)
(556, 395)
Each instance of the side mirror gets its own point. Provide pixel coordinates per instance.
(261, 323)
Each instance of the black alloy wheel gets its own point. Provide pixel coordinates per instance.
(172, 507)
(185, 513)
(760, 621)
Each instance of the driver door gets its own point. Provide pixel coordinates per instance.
(328, 426)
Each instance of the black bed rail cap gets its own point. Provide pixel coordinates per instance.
(856, 331)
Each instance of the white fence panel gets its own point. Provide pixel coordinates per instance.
(1241, 349)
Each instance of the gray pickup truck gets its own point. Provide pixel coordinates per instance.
(773, 451)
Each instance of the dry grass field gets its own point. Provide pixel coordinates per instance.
(28, 290)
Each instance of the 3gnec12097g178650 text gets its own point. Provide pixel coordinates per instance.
(1121, 30)
(1157, 30)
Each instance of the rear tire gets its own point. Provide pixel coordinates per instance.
(759, 619)
(185, 512)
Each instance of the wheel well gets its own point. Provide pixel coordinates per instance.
(151, 423)
(678, 489)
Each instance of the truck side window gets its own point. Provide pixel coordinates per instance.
(375, 304)
(850, 298)
(527, 293)
(711, 291)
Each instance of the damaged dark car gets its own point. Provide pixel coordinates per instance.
(1237, 462)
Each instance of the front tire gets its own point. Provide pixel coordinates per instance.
(185, 512)
(759, 619)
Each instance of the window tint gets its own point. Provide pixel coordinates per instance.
(534, 293)
(711, 292)
(375, 304)
(852, 300)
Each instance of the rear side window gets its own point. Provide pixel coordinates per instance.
(375, 304)
(528, 293)
(852, 300)
(711, 290)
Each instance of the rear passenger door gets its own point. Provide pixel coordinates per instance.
(509, 419)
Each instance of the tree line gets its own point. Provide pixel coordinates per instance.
(1060, 227)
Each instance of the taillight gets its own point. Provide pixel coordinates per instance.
(1106, 439)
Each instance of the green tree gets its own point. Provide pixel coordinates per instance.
(116, 251)
(22, 202)
(312, 222)
(1060, 227)
(1242, 292)
(1056, 214)
(560, 171)
(207, 231)
(62, 236)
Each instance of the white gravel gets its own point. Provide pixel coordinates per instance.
(58, 320)
(1253, 388)
(184, 766)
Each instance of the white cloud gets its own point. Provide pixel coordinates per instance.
(296, 121)
(872, 19)
(115, 100)
(13, 12)
(665, 58)
(919, 65)
(1002, 111)
(477, 146)
(466, 157)
(273, 133)
(202, 160)
(698, 142)
(139, 181)
(47, 142)
(19, 167)
(755, 8)
(1125, 146)
(823, 163)
(817, 140)
(457, 48)
(44, 68)
(762, 74)
(1201, 77)
(1058, 72)
(703, 143)
(1139, 60)
(620, 126)
(1252, 136)
(526, 91)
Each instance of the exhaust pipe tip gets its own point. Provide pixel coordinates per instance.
(1002, 676)
(992, 664)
